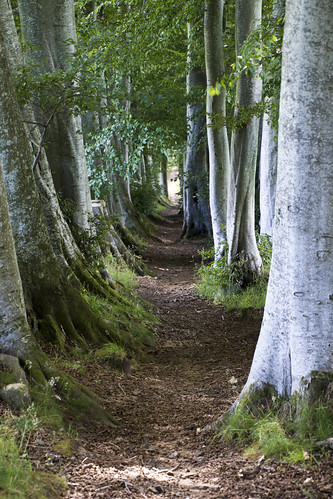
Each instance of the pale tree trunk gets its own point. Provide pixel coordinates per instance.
(244, 148)
(296, 338)
(163, 178)
(197, 219)
(15, 334)
(47, 26)
(218, 145)
(268, 161)
(267, 176)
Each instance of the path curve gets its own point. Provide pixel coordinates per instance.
(199, 363)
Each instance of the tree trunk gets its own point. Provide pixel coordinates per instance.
(48, 293)
(15, 334)
(48, 26)
(163, 180)
(218, 145)
(267, 176)
(60, 235)
(296, 338)
(244, 147)
(197, 219)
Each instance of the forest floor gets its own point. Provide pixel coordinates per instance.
(194, 372)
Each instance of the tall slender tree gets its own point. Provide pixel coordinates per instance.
(244, 148)
(296, 338)
(218, 145)
(197, 219)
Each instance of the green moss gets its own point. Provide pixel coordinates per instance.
(7, 376)
(48, 486)
(226, 283)
(65, 446)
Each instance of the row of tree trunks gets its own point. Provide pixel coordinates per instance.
(48, 28)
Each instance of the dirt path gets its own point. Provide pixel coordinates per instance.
(163, 404)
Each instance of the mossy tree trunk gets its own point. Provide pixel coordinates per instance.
(50, 295)
(48, 28)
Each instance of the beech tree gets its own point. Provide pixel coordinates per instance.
(197, 220)
(52, 294)
(48, 28)
(267, 176)
(218, 145)
(15, 333)
(296, 338)
(244, 147)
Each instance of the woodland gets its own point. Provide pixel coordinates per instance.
(166, 248)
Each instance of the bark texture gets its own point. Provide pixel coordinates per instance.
(48, 26)
(267, 176)
(218, 145)
(48, 292)
(244, 148)
(197, 219)
(15, 335)
(296, 337)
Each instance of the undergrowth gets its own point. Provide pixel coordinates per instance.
(131, 316)
(18, 479)
(222, 282)
(286, 430)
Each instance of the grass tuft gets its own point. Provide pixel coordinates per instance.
(284, 430)
(221, 282)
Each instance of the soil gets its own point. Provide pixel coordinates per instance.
(191, 376)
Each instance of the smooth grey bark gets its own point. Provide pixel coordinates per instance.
(268, 160)
(244, 147)
(197, 219)
(218, 145)
(163, 177)
(48, 27)
(15, 334)
(61, 237)
(49, 294)
(267, 176)
(296, 337)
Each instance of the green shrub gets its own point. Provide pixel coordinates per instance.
(145, 197)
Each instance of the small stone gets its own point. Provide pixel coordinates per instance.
(173, 455)
(17, 395)
(156, 490)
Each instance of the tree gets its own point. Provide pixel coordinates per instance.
(296, 337)
(267, 176)
(48, 28)
(15, 334)
(52, 294)
(61, 238)
(197, 220)
(244, 147)
(218, 145)
(271, 89)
